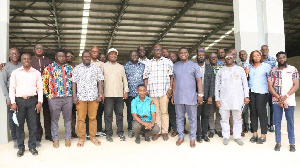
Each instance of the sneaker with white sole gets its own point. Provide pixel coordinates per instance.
(130, 134)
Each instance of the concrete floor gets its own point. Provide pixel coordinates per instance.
(158, 154)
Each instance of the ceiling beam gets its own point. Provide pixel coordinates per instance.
(213, 32)
(118, 20)
(57, 32)
(22, 11)
(186, 7)
(292, 13)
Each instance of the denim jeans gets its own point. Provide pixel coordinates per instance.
(289, 115)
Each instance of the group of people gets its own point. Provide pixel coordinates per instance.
(215, 93)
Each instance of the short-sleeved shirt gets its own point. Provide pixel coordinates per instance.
(143, 108)
(86, 78)
(158, 73)
(134, 74)
(258, 78)
(185, 75)
(271, 61)
(220, 63)
(244, 64)
(283, 82)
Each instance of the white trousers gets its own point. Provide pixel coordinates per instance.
(237, 123)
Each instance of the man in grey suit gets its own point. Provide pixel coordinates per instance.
(204, 110)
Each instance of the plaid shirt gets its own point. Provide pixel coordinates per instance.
(158, 74)
(283, 82)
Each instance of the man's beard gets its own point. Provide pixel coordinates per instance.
(282, 64)
(200, 61)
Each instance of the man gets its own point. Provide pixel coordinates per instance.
(158, 80)
(283, 82)
(171, 106)
(13, 64)
(95, 55)
(69, 60)
(232, 92)
(115, 91)
(144, 115)
(39, 62)
(57, 86)
(87, 88)
(271, 61)
(134, 72)
(203, 111)
(244, 63)
(142, 55)
(187, 78)
(233, 51)
(26, 95)
(214, 123)
(221, 57)
(165, 53)
(102, 57)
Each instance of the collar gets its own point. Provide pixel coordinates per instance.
(95, 61)
(146, 98)
(30, 69)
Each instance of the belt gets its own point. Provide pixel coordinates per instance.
(26, 97)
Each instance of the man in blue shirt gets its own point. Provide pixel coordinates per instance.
(221, 57)
(134, 72)
(144, 114)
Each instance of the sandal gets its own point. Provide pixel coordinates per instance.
(96, 141)
(80, 143)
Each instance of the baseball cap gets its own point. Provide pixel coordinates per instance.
(112, 49)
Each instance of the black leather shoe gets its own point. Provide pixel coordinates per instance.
(48, 138)
(211, 134)
(292, 148)
(205, 138)
(199, 139)
(277, 147)
(34, 151)
(253, 139)
(20, 153)
(147, 139)
(261, 140)
(220, 134)
(138, 140)
(271, 129)
(246, 128)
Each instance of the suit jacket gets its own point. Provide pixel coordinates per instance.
(209, 82)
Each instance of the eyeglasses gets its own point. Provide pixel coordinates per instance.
(213, 57)
(201, 50)
(70, 56)
(228, 57)
(11, 53)
(39, 48)
(157, 49)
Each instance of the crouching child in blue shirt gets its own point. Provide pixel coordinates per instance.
(144, 114)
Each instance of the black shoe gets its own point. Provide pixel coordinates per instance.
(277, 147)
(109, 138)
(246, 128)
(292, 148)
(147, 139)
(88, 137)
(186, 131)
(48, 138)
(261, 140)
(271, 129)
(253, 139)
(34, 151)
(138, 140)
(38, 144)
(205, 138)
(122, 138)
(219, 133)
(211, 134)
(74, 135)
(20, 153)
(198, 139)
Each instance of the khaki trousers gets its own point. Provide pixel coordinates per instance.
(162, 115)
(87, 108)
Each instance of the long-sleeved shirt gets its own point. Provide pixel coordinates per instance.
(134, 74)
(231, 87)
(115, 83)
(25, 83)
(40, 63)
(57, 80)
(258, 78)
(5, 77)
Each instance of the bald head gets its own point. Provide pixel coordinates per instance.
(243, 55)
(94, 53)
(157, 50)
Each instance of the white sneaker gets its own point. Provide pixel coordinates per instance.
(101, 134)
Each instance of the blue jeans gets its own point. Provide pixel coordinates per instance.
(289, 115)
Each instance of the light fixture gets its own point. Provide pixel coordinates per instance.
(84, 26)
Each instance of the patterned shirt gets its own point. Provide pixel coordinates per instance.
(57, 80)
(216, 69)
(244, 64)
(158, 74)
(144, 109)
(86, 78)
(220, 63)
(134, 74)
(145, 61)
(283, 82)
(271, 61)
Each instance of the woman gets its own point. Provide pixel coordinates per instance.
(258, 85)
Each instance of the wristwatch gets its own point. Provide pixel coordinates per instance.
(201, 95)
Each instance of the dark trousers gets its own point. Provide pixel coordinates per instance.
(172, 116)
(271, 115)
(73, 123)
(245, 115)
(26, 111)
(113, 104)
(129, 115)
(12, 125)
(138, 128)
(203, 112)
(47, 121)
(258, 111)
(98, 118)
